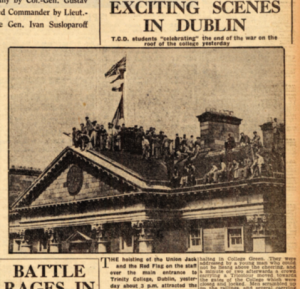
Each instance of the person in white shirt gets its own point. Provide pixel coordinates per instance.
(209, 176)
(220, 172)
(258, 161)
(146, 148)
(236, 170)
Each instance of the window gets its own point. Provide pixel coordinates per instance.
(195, 239)
(234, 239)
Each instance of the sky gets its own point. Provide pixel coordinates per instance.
(53, 90)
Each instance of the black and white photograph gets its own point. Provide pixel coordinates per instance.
(134, 150)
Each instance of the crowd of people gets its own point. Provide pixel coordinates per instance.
(237, 169)
(147, 143)
(177, 155)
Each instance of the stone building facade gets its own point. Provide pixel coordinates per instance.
(86, 203)
(107, 202)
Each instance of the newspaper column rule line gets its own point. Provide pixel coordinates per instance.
(198, 260)
(292, 21)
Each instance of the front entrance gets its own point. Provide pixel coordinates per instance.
(80, 247)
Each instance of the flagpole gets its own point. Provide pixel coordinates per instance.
(123, 92)
(119, 69)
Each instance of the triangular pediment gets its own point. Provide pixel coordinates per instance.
(78, 237)
(75, 176)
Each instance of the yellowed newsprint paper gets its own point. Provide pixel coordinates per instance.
(149, 144)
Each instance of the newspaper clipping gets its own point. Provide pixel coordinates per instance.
(149, 144)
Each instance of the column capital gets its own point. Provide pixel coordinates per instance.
(51, 235)
(261, 218)
(260, 225)
(144, 229)
(146, 224)
(22, 237)
(99, 233)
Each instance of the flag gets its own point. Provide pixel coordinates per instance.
(118, 88)
(121, 76)
(118, 69)
(119, 113)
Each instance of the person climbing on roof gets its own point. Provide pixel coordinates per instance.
(244, 140)
(76, 137)
(191, 174)
(209, 177)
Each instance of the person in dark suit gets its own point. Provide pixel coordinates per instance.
(177, 143)
(123, 137)
(184, 140)
(256, 144)
(103, 136)
(191, 176)
(244, 140)
(230, 144)
(175, 178)
(75, 137)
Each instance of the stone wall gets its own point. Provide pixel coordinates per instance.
(19, 179)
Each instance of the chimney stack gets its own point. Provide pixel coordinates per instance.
(215, 127)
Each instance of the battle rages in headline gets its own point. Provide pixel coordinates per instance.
(193, 8)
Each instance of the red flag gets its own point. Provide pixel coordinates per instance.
(119, 113)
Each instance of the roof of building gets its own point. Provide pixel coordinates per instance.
(156, 170)
(152, 169)
(20, 170)
(141, 175)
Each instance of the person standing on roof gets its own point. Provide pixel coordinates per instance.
(191, 176)
(98, 135)
(117, 138)
(110, 136)
(89, 126)
(146, 148)
(83, 129)
(103, 137)
(184, 177)
(255, 142)
(276, 134)
(184, 140)
(258, 162)
(230, 144)
(236, 169)
(93, 134)
(75, 137)
(139, 139)
(175, 181)
(177, 143)
(84, 138)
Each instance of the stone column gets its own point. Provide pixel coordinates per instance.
(260, 233)
(15, 240)
(53, 242)
(100, 237)
(145, 235)
(24, 242)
